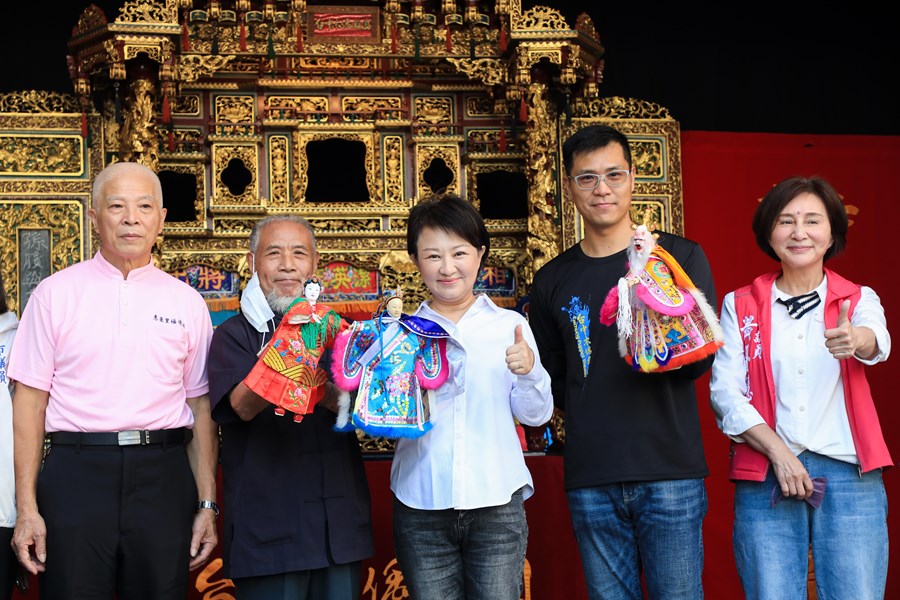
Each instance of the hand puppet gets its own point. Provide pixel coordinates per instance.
(287, 373)
(663, 320)
(390, 360)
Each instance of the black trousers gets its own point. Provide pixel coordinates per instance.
(118, 522)
(8, 564)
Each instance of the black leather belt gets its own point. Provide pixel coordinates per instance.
(142, 437)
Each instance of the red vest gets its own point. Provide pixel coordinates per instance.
(754, 303)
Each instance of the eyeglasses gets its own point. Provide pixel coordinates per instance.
(590, 181)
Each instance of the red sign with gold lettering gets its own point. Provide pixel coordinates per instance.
(344, 24)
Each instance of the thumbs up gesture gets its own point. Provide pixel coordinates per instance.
(519, 357)
(840, 340)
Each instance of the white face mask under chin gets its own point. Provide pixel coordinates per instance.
(254, 306)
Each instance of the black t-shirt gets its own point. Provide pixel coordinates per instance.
(294, 493)
(621, 425)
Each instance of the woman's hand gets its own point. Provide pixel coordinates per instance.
(840, 340)
(791, 475)
(795, 482)
(519, 356)
(845, 340)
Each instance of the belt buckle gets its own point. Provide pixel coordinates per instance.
(131, 438)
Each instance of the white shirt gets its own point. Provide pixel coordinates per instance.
(810, 413)
(8, 324)
(472, 457)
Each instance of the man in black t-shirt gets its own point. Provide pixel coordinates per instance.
(634, 463)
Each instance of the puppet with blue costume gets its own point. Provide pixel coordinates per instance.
(390, 359)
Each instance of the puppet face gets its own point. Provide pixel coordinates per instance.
(311, 291)
(285, 257)
(802, 233)
(127, 216)
(395, 307)
(603, 207)
(641, 240)
(449, 266)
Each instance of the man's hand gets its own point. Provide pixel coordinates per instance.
(29, 542)
(203, 537)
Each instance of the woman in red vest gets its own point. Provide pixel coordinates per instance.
(789, 388)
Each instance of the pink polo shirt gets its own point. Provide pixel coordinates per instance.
(115, 354)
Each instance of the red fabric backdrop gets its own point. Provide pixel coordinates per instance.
(725, 175)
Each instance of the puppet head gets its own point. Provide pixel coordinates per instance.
(312, 287)
(642, 244)
(391, 303)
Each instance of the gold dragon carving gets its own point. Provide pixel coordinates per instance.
(31, 101)
(543, 235)
(147, 11)
(49, 155)
(138, 140)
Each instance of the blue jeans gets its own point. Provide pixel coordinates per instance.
(623, 529)
(456, 554)
(848, 533)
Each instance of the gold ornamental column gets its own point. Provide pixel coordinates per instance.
(542, 243)
(138, 137)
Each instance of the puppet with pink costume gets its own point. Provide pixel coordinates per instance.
(390, 360)
(287, 373)
(663, 320)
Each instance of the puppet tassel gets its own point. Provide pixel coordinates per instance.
(623, 319)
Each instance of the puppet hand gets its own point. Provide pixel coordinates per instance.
(519, 357)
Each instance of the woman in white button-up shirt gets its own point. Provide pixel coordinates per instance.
(789, 388)
(459, 520)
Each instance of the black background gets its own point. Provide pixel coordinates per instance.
(789, 67)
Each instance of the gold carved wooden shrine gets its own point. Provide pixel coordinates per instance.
(346, 115)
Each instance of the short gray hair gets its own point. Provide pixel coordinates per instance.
(122, 168)
(262, 223)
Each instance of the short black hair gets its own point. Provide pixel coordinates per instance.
(452, 214)
(593, 137)
(773, 204)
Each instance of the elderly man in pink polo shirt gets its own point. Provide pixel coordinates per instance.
(111, 362)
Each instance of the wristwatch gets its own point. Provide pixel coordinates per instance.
(210, 505)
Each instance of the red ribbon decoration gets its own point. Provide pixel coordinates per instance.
(394, 35)
(523, 111)
(448, 43)
(84, 124)
(503, 139)
(243, 39)
(299, 37)
(171, 140)
(166, 110)
(185, 37)
(504, 39)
